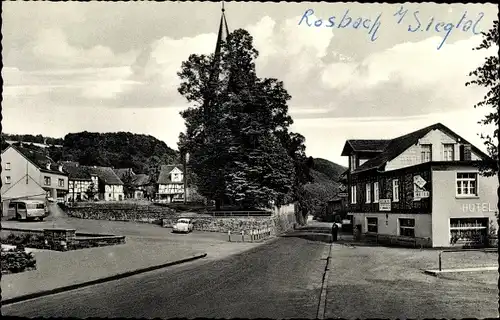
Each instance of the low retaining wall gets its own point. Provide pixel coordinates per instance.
(224, 224)
(280, 221)
(63, 239)
(121, 212)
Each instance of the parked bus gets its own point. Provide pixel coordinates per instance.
(28, 209)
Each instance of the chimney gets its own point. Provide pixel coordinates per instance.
(61, 168)
(48, 166)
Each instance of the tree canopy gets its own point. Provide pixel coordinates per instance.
(241, 150)
(142, 153)
(486, 76)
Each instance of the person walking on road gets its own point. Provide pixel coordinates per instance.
(335, 231)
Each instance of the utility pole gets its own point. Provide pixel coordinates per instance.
(185, 158)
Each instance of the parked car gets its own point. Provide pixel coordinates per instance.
(183, 225)
(28, 209)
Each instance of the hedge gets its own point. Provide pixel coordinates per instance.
(17, 260)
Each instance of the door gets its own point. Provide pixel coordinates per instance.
(12, 209)
(21, 210)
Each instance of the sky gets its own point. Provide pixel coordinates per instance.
(112, 66)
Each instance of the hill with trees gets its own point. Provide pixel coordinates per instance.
(325, 185)
(142, 153)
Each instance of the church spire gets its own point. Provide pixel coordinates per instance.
(223, 31)
(215, 76)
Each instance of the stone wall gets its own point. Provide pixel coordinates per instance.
(60, 239)
(225, 224)
(121, 212)
(280, 221)
(283, 218)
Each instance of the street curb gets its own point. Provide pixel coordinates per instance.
(98, 281)
(322, 298)
(436, 273)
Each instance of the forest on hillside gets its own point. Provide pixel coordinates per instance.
(142, 153)
(325, 185)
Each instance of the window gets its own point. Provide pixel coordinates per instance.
(353, 194)
(372, 225)
(61, 182)
(467, 184)
(448, 152)
(375, 192)
(7, 166)
(47, 181)
(407, 227)
(368, 193)
(395, 190)
(7, 180)
(21, 206)
(426, 152)
(463, 230)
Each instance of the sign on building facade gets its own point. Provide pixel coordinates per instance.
(384, 204)
(419, 191)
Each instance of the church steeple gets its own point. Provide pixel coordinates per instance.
(223, 31)
(221, 37)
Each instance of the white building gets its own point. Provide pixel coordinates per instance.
(424, 187)
(28, 174)
(171, 183)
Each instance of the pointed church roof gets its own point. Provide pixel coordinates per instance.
(223, 31)
(214, 74)
(221, 37)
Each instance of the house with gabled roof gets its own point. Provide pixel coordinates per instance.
(171, 183)
(82, 184)
(110, 186)
(136, 186)
(424, 188)
(27, 173)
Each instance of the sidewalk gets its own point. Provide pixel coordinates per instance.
(60, 269)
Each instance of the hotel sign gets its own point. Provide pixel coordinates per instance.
(419, 191)
(421, 194)
(384, 204)
(419, 181)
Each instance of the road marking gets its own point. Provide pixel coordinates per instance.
(324, 285)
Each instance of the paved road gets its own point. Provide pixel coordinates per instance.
(280, 279)
(59, 219)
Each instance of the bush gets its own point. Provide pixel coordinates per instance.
(26, 240)
(17, 260)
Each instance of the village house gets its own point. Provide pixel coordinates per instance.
(424, 187)
(136, 186)
(110, 187)
(143, 186)
(171, 183)
(28, 174)
(82, 185)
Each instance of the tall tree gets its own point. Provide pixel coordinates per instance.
(233, 131)
(487, 76)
